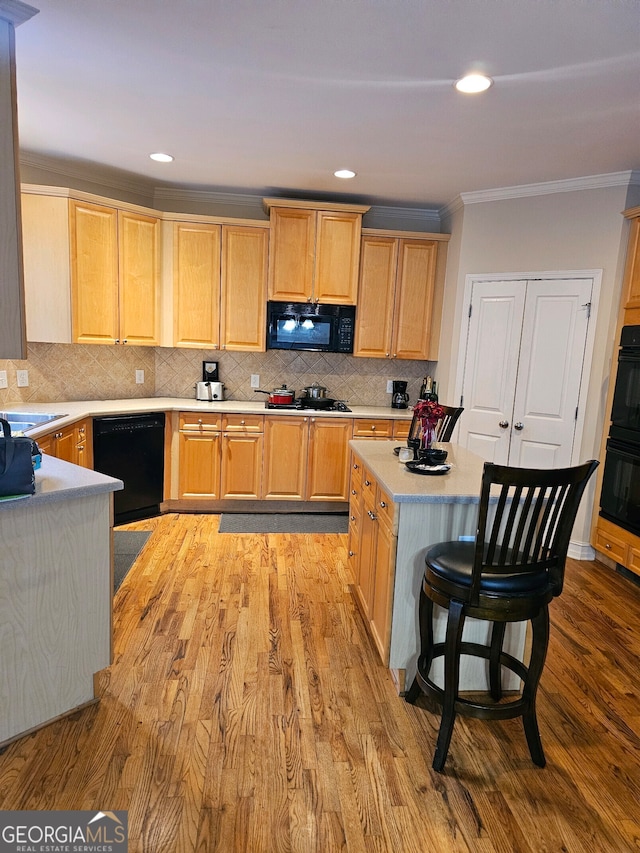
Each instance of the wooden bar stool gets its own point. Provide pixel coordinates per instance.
(509, 574)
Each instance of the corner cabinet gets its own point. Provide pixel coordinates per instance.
(400, 295)
(115, 266)
(314, 251)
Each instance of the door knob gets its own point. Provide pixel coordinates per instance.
(503, 424)
(518, 426)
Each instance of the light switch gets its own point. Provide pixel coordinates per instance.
(22, 378)
(3, 379)
(255, 380)
(139, 377)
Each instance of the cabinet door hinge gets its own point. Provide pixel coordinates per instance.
(470, 308)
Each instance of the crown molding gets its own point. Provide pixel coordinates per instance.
(185, 196)
(420, 215)
(16, 12)
(452, 208)
(569, 185)
(89, 172)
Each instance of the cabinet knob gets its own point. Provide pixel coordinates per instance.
(353, 492)
(373, 426)
(352, 553)
(200, 421)
(608, 547)
(242, 423)
(125, 341)
(382, 504)
(503, 424)
(367, 482)
(518, 426)
(117, 341)
(352, 518)
(387, 354)
(395, 355)
(355, 466)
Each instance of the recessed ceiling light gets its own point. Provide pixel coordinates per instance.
(161, 158)
(473, 83)
(344, 173)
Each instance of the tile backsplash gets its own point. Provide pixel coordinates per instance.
(59, 372)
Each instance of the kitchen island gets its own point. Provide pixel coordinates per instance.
(395, 516)
(56, 590)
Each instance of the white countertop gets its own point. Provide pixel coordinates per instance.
(77, 409)
(460, 485)
(57, 480)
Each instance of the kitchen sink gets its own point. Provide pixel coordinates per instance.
(21, 421)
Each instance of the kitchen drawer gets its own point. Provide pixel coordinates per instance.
(611, 545)
(385, 508)
(366, 428)
(401, 429)
(243, 423)
(368, 486)
(200, 422)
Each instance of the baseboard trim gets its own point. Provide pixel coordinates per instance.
(581, 551)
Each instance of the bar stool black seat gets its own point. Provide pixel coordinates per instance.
(509, 574)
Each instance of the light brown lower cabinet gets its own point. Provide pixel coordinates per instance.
(242, 447)
(73, 443)
(372, 548)
(305, 458)
(199, 462)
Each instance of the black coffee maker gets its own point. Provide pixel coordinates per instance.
(399, 396)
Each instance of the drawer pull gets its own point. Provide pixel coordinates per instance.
(352, 553)
(372, 515)
(608, 546)
(353, 492)
(242, 423)
(373, 426)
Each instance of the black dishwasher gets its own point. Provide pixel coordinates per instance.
(131, 448)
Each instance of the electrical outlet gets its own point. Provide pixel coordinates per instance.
(255, 380)
(139, 377)
(22, 378)
(389, 386)
(3, 379)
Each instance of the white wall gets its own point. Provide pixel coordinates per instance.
(582, 229)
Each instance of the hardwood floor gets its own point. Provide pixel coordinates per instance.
(246, 710)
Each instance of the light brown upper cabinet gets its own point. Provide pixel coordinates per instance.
(219, 286)
(314, 251)
(115, 263)
(400, 295)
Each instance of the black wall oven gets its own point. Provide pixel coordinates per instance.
(620, 495)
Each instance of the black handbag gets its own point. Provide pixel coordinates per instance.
(17, 476)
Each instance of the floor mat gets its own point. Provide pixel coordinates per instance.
(284, 522)
(127, 544)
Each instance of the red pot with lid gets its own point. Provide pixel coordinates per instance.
(279, 396)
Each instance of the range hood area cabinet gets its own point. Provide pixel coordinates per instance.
(315, 251)
(215, 291)
(400, 294)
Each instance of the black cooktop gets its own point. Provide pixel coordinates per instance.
(338, 406)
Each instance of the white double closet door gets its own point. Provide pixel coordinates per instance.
(523, 369)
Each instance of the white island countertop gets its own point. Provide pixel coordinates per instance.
(460, 485)
(57, 480)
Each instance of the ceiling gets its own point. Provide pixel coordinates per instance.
(272, 97)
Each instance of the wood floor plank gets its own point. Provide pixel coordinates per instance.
(247, 710)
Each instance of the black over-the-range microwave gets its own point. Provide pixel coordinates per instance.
(305, 326)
